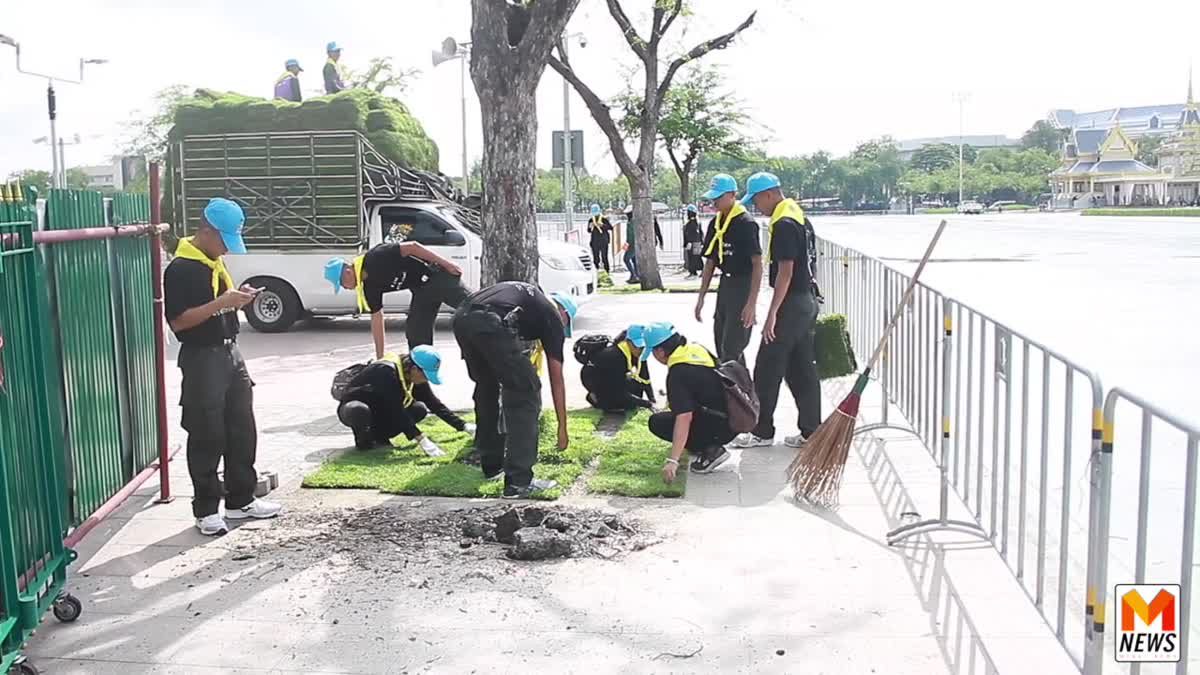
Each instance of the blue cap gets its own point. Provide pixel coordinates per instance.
(568, 303)
(637, 335)
(654, 335)
(691, 208)
(759, 182)
(333, 273)
(429, 361)
(227, 218)
(595, 209)
(333, 47)
(292, 63)
(721, 184)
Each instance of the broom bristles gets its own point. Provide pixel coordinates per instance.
(816, 471)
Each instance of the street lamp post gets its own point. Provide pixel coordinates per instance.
(568, 160)
(58, 174)
(453, 49)
(961, 98)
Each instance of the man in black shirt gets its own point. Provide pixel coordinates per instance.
(496, 328)
(698, 417)
(733, 245)
(388, 397)
(397, 266)
(201, 307)
(616, 377)
(693, 240)
(600, 232)
(787, 351)
(630, 257)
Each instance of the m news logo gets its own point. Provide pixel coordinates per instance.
(1147, 623)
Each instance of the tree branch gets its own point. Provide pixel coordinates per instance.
(719, 42)
(679, 169)
(631, 35)
(547, 21)
(675, 12)
(600, 113)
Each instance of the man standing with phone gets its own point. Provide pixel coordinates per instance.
(201, 306)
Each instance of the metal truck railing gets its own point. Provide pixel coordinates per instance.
(82, 411)
(1016, 431)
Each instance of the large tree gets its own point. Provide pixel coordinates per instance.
(145, 133)
(510, 43)
(691, 126)
(639, 170)
(1043, 135)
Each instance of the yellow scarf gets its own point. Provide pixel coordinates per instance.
(358, 285)
(718, 240)
(693, 355)
(188, 251)
(398, 362)
(596, 224)
(787, 208)
(635, 368)
(536, 358)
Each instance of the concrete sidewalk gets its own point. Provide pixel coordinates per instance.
(745, 580)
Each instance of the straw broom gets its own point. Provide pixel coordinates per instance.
(816, 471)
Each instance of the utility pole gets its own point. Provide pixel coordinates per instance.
(453, 49)
(961, 98)
(568, 159)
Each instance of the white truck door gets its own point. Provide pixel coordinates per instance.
(411, 223)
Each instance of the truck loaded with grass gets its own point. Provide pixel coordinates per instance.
(330, 176)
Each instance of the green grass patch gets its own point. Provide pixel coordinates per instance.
(1169, 213)
(635, 288)
(631, 463)
(835, 356)
(1017, 207)
(408, 471)
(939, 210)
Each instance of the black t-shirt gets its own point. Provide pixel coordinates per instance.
(691, 231)
(601, 232)
(691, 387)
(378, 385)
(790, 242)
(741, 244)
(385, 269)
(187, 284)
(333, 78)
(538, 318)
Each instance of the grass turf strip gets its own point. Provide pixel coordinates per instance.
(630, 462)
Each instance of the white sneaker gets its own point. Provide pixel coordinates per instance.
(751, 441)
(258, 509)
(795, 441)
(212, 526)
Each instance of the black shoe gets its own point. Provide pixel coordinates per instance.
(632, 281)
(473, 458)
(526, 491)
(708, 462)
(364, 439)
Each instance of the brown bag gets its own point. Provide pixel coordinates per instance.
(741, 401)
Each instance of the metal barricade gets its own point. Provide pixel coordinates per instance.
(1012, 426)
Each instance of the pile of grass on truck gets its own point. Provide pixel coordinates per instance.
(385, 121)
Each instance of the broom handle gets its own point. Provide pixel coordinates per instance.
(912, 286)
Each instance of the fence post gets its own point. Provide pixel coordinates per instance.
(160, 347)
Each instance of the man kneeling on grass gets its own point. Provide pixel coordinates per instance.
(697, 420)
(388, 397)
(614, 373)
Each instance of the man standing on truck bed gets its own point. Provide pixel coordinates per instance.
(287, 87)
(495, 327)
(218, 396)
(397, 266)
(334, 79)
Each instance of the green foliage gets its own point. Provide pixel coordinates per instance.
(631, 463)
(382, 77)
(77, 179)
(145, 134)
(1148, 150)
(32, 178)
(935, 157)
(1172, 213)
(1043, 136)
(995, 174)
(835, 356)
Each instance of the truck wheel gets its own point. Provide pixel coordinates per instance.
(275, 309)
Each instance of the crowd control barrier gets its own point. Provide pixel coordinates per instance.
(1024, 440)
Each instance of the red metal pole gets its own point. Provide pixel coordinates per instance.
(160, 345)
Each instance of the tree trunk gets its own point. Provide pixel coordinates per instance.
(509, 220)
(643, 214)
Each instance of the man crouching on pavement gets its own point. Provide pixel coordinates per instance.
(495, 329)
(698, 417)
(390, 396)
(201, 306)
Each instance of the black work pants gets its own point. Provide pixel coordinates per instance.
(371, 426)
(790, 357)
(611, 392)
(218, 415)
(442, 288)
(707, 433)
(600, 255)
(508, 395)
(729, 335)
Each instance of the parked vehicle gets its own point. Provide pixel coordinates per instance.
(998, 206)
(311, 195)
(972, 207)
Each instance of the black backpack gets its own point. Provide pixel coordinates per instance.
(341, 381)
(741, 400)
(588, 346)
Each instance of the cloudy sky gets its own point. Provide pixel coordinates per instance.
(815, 75)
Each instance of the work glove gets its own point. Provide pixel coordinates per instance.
(431, 448)
(470, 428)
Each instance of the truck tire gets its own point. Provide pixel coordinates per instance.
(275, 309)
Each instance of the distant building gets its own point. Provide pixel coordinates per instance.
(104, 176)
(979, 142)
(1100, 165)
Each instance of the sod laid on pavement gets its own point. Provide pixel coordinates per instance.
(634, 468)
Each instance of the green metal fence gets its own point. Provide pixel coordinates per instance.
(33, 558)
